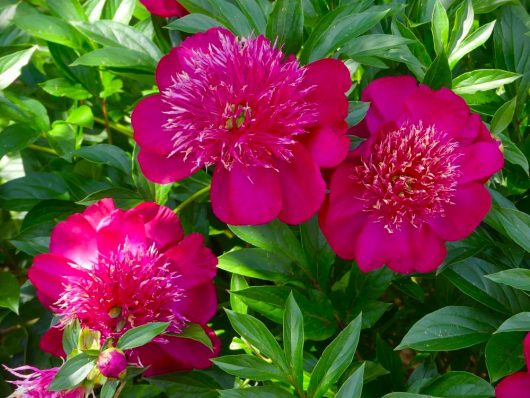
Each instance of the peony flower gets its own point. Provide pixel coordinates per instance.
(112, 363)
(518, 384)
(114, 270)
(266, 123)
(416, 182)
(165, 8)
(34, 383)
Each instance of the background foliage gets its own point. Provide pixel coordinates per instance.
(70, 73)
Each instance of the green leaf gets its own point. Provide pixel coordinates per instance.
(223, 11)
(439, 74)
(71, 336)
(124, 11)
(81, 116)
(115, 34)
(339, 27)
(293, 339)
(237, 282)
(286, 25)
(450, 328)
(197, 333)
(141, 335)
(49, 28)
(356, 112)
(517, 323)
(68, 10)
(11, 65)
(16, 137)
(73, 372)
(255, 15)
(335, 359)
(468, 276)
(256, 263)
(193, 23)
(9, 291)
(459, 384)
(257, 334)
(464, 17)
(62, 138)
(503, 117)
(256, 392)
(249, 367)
(406, 395)
(110, 155)
(504, 354)
(61, 87)
(511, 222)
(109, 388)
(23, 193)
(275, 237)
(486, 6)
(482, 80)
(518, 278)
(373, 45)
(474, 40)
(117, 57)
(513, 154)
(353, 386)
(186, 385)
(440, 28)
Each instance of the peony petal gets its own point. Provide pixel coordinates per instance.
(203, 40)
(193, 261)
(246, 195)
(328, 80)
(75, 239)
(328, 145)
(478, 162)
(341, 217)
(162, 225)
(48, 274)
(526, 349)
(175, 354)
(199, 303)
(162, 169)
(387, 96)
(52, 342)
(97, 212)
(148, 120)
(442, 108)
(514, 386)
(303, 187)
(122, 228)
(164, 8)
(406, 250)
(471, 204)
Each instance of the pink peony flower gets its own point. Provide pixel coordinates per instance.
(518, 384)
(112, 363)
(34, 383)
(165, 8)
(266, 123)
(115, 270)
(416, 182)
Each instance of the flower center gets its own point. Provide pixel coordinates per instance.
(132, 287)
(238, 100)
(411, 175)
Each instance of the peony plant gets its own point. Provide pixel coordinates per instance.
(264, 198)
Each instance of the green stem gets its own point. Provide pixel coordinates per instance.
(42, 149)
(120, 389)
(120, 128)
(197, 195)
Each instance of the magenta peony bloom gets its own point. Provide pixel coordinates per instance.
(112, 363)
(165, 8)
(266, 123)
(416, 182)
(34, 383)
(518, 384)
(115, 270)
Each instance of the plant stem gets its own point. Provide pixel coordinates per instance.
(115, 126)
(197, 195)
(120, 389)
(42, 149)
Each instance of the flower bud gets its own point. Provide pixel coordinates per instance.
(112, 363)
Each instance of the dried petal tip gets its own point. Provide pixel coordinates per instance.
(112, 363)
